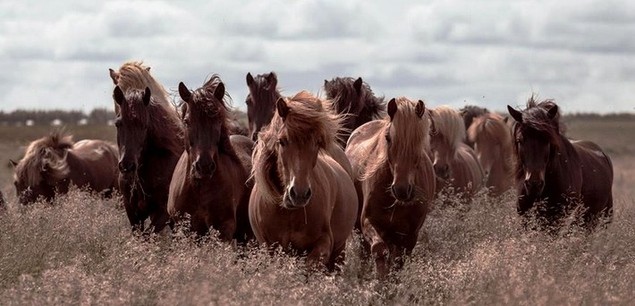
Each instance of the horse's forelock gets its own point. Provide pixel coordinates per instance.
(449, 123)
(310, 119)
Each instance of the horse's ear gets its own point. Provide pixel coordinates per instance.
(219, 92)
(325, 83)
(506, 120)
(517, 115)
(553, 112)
(272, 79)
(146, 96)
(392, 108)
(250, 79)
(283, 108)
(118, 95)
(13, 162)
(358, 85)
(185, 93)
(114, 76)
(420, 109)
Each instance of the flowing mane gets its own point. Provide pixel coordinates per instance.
(308, 120)
(47, 154)
(135, 75)
(448, 123)
(491, 128)
(342, 92)
(412, 138)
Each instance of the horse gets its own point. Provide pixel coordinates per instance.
(354, 99)
(53, 163)
(209, 180)
(455, 163)
(493, 145)
(261, 101)
(150, 139)
(302, 199)
(560, 174)
(469, 113)
(396, 179)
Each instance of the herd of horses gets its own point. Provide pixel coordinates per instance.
(310, 171)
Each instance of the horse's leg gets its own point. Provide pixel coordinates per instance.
(378, 248)
(320, 254)
(227, 230)
(131, 204)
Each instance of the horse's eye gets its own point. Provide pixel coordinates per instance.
(388, 138)
(118, 122)
(282, 142)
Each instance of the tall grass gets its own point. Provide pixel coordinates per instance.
(79, 250)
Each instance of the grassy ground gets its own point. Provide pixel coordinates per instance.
(80, 251)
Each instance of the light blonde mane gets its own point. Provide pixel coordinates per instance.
(308, 120)
(449, 124)
(489, 131)
(45, 154)
(135, 75)
(412, 138)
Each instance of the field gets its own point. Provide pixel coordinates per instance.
(80, 251)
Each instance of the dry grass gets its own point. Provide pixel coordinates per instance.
(80, 251)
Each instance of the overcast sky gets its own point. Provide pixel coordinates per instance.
(56, 54)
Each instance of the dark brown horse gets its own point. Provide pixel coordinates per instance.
(396, 179)
(51, 164)
(150, 138)
(469, 113)
(210, 182)
(560, 174)
(354, 99)
(302, 200)
(261, 101)
(494, 147)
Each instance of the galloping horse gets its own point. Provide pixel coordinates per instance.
(51, 164)
(396, 179)
(303, 199)
(209, 181)
(354, 99)
(493, 145)
(150, 139)
(261, 101)
(560, 173)
(455, 163)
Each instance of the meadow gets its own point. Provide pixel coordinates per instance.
(80, 250)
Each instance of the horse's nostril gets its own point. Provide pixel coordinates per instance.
(307, 194)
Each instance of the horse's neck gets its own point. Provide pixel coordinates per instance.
(564, 168)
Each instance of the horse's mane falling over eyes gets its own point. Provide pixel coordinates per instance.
(412, 138)
(47, 151)
(342, 90)
(449, 123)
(308, 120)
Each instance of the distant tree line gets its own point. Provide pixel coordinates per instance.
(98, 116)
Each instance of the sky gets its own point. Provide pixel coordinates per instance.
(56, 54)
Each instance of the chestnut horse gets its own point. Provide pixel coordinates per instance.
(150, 138)
(561, 174)
(469, 113)
(354, 99)
(51, 164)
(303, 199)
(209, 181)
(261, 101)
(493, 145)
(455, 163)
(396, 179)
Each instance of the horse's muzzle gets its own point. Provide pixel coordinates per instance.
(297, 198)
(404, 193)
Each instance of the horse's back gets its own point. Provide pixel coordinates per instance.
(98, 163)
(597, 175)
(243, 146)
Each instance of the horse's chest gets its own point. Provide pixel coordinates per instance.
(296, 231)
